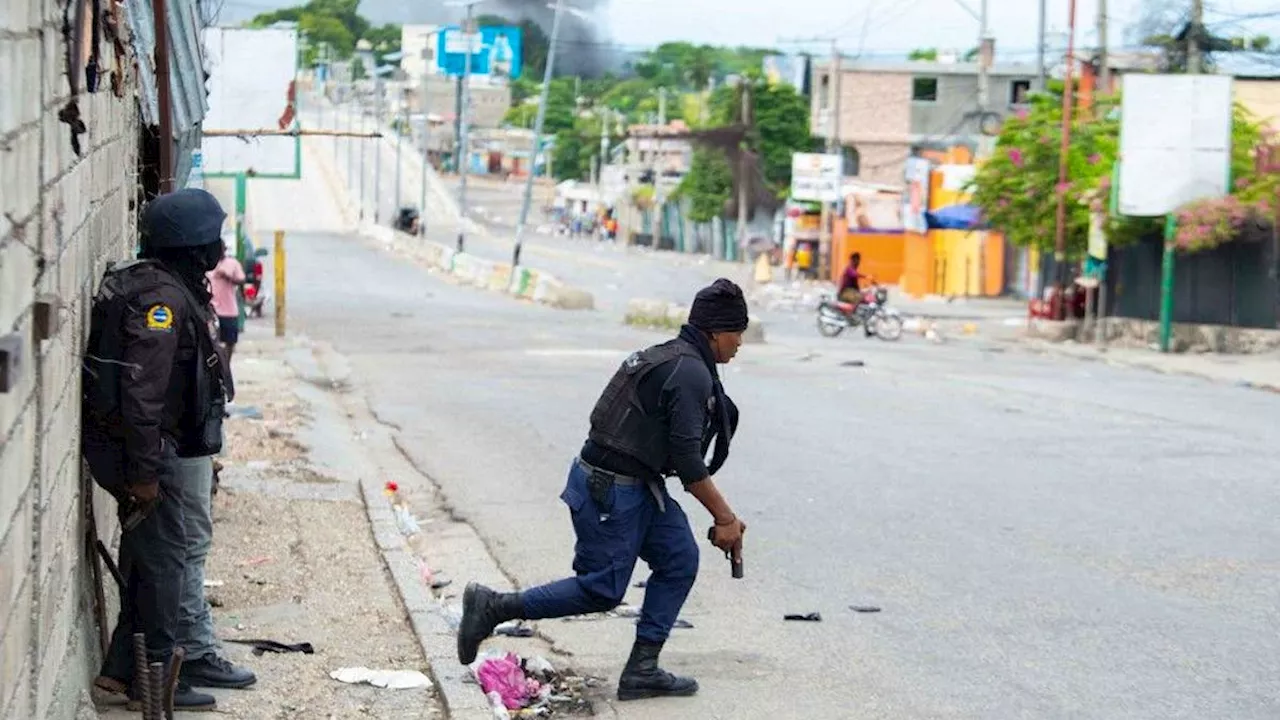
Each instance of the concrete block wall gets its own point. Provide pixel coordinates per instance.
(62, 218)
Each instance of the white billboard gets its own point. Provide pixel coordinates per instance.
(816, 177)
(1175, 141)
(251, 88)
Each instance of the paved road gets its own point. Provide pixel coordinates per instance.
(1047, 538)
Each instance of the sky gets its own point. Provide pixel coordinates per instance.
(868, 28)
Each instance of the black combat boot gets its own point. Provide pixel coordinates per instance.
(482, 611)
(642, 678)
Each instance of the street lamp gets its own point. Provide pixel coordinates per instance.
(559, 6)
(464, 126)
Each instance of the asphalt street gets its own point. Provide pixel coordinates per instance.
(1046, 538)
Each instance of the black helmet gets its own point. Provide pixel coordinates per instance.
(186, 218)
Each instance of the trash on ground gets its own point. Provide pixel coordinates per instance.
(853, 363)
(438, 584)
(390, 679)
(274, 646)
(258, 560)
(245, 411)
(405, 520)
(504, 677)
(682, 624)
(864, 608)
(810, 617)
(515, 630)
(627, 611)
(529, 687)
(214, 583)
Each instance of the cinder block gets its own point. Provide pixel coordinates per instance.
(15, 644)
(15, 550)
(19, 166)
(17, 457)
(58, 613)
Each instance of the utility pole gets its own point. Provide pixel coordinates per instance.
(1068, 102)
(364, 147)
(1042, 31)
(377, 150)
(426, 147)
(604, 152)
(351, 148)
(402, 122)
(833, 100)
(744, 165)
(527, 200)
(658, 200)
(986, 56)
(1195, 61)
(469, 32)
(1104, 62)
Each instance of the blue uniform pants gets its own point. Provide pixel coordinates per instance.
(605, 557)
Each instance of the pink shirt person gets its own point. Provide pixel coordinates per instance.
(223, 281)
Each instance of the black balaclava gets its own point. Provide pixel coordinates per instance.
(190, 265)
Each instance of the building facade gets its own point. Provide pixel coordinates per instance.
(885, 111)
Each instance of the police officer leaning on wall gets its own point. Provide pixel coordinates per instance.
(657, 417)
(155, 392)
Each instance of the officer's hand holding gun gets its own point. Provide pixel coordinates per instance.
(728, 537)
(143, 498)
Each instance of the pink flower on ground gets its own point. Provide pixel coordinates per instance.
(1063, 187)
(1094, 159)
(1015, 157)
(1242, 183)
(1021, 113)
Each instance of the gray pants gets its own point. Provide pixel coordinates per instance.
(195, 617)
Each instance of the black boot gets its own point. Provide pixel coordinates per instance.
(642, 678)
(482, 611)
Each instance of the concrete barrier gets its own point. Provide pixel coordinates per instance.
(645, 312)
(525, 283)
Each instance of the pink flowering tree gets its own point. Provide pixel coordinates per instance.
(1209, 223)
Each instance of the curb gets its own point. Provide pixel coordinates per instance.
(522, 282)
(1045, 348)
(436, 637)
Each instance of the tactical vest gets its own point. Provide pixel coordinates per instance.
(620, 423)
(101, 368)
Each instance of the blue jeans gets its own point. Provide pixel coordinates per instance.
(610, 540)
(195, 617)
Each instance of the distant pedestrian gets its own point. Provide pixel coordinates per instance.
(224, 280)
(657, 417)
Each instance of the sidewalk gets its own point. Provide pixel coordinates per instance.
(1261, 372)
(294, 560)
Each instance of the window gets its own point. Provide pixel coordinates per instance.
(824, 95)
(924, 89)
(1019, 92)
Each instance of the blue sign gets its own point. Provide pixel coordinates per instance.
(496, 51)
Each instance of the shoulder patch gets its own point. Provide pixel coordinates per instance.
(160, 318)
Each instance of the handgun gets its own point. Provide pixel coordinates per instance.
(735, 566)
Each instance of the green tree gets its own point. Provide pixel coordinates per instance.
(708, 185)
(923, 55)
(318, 29)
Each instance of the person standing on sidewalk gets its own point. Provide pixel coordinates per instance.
(155, 389)
(657, 417)
(224, 280)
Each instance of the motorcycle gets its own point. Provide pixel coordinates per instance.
(883, 322)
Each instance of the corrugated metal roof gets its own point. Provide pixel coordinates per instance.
(189, 101)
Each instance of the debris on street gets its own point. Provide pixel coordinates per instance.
(808, 617)
(529, 687)
(864, 608)
(390, 679)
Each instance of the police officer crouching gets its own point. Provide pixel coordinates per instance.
(155, 390)
(656, 418)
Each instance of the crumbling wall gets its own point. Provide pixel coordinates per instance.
(68, 160)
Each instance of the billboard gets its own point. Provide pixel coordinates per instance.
(1175, 138)
(790, 70)
(915, 201)
(251, 88)
(496, 52)
(816, 177)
